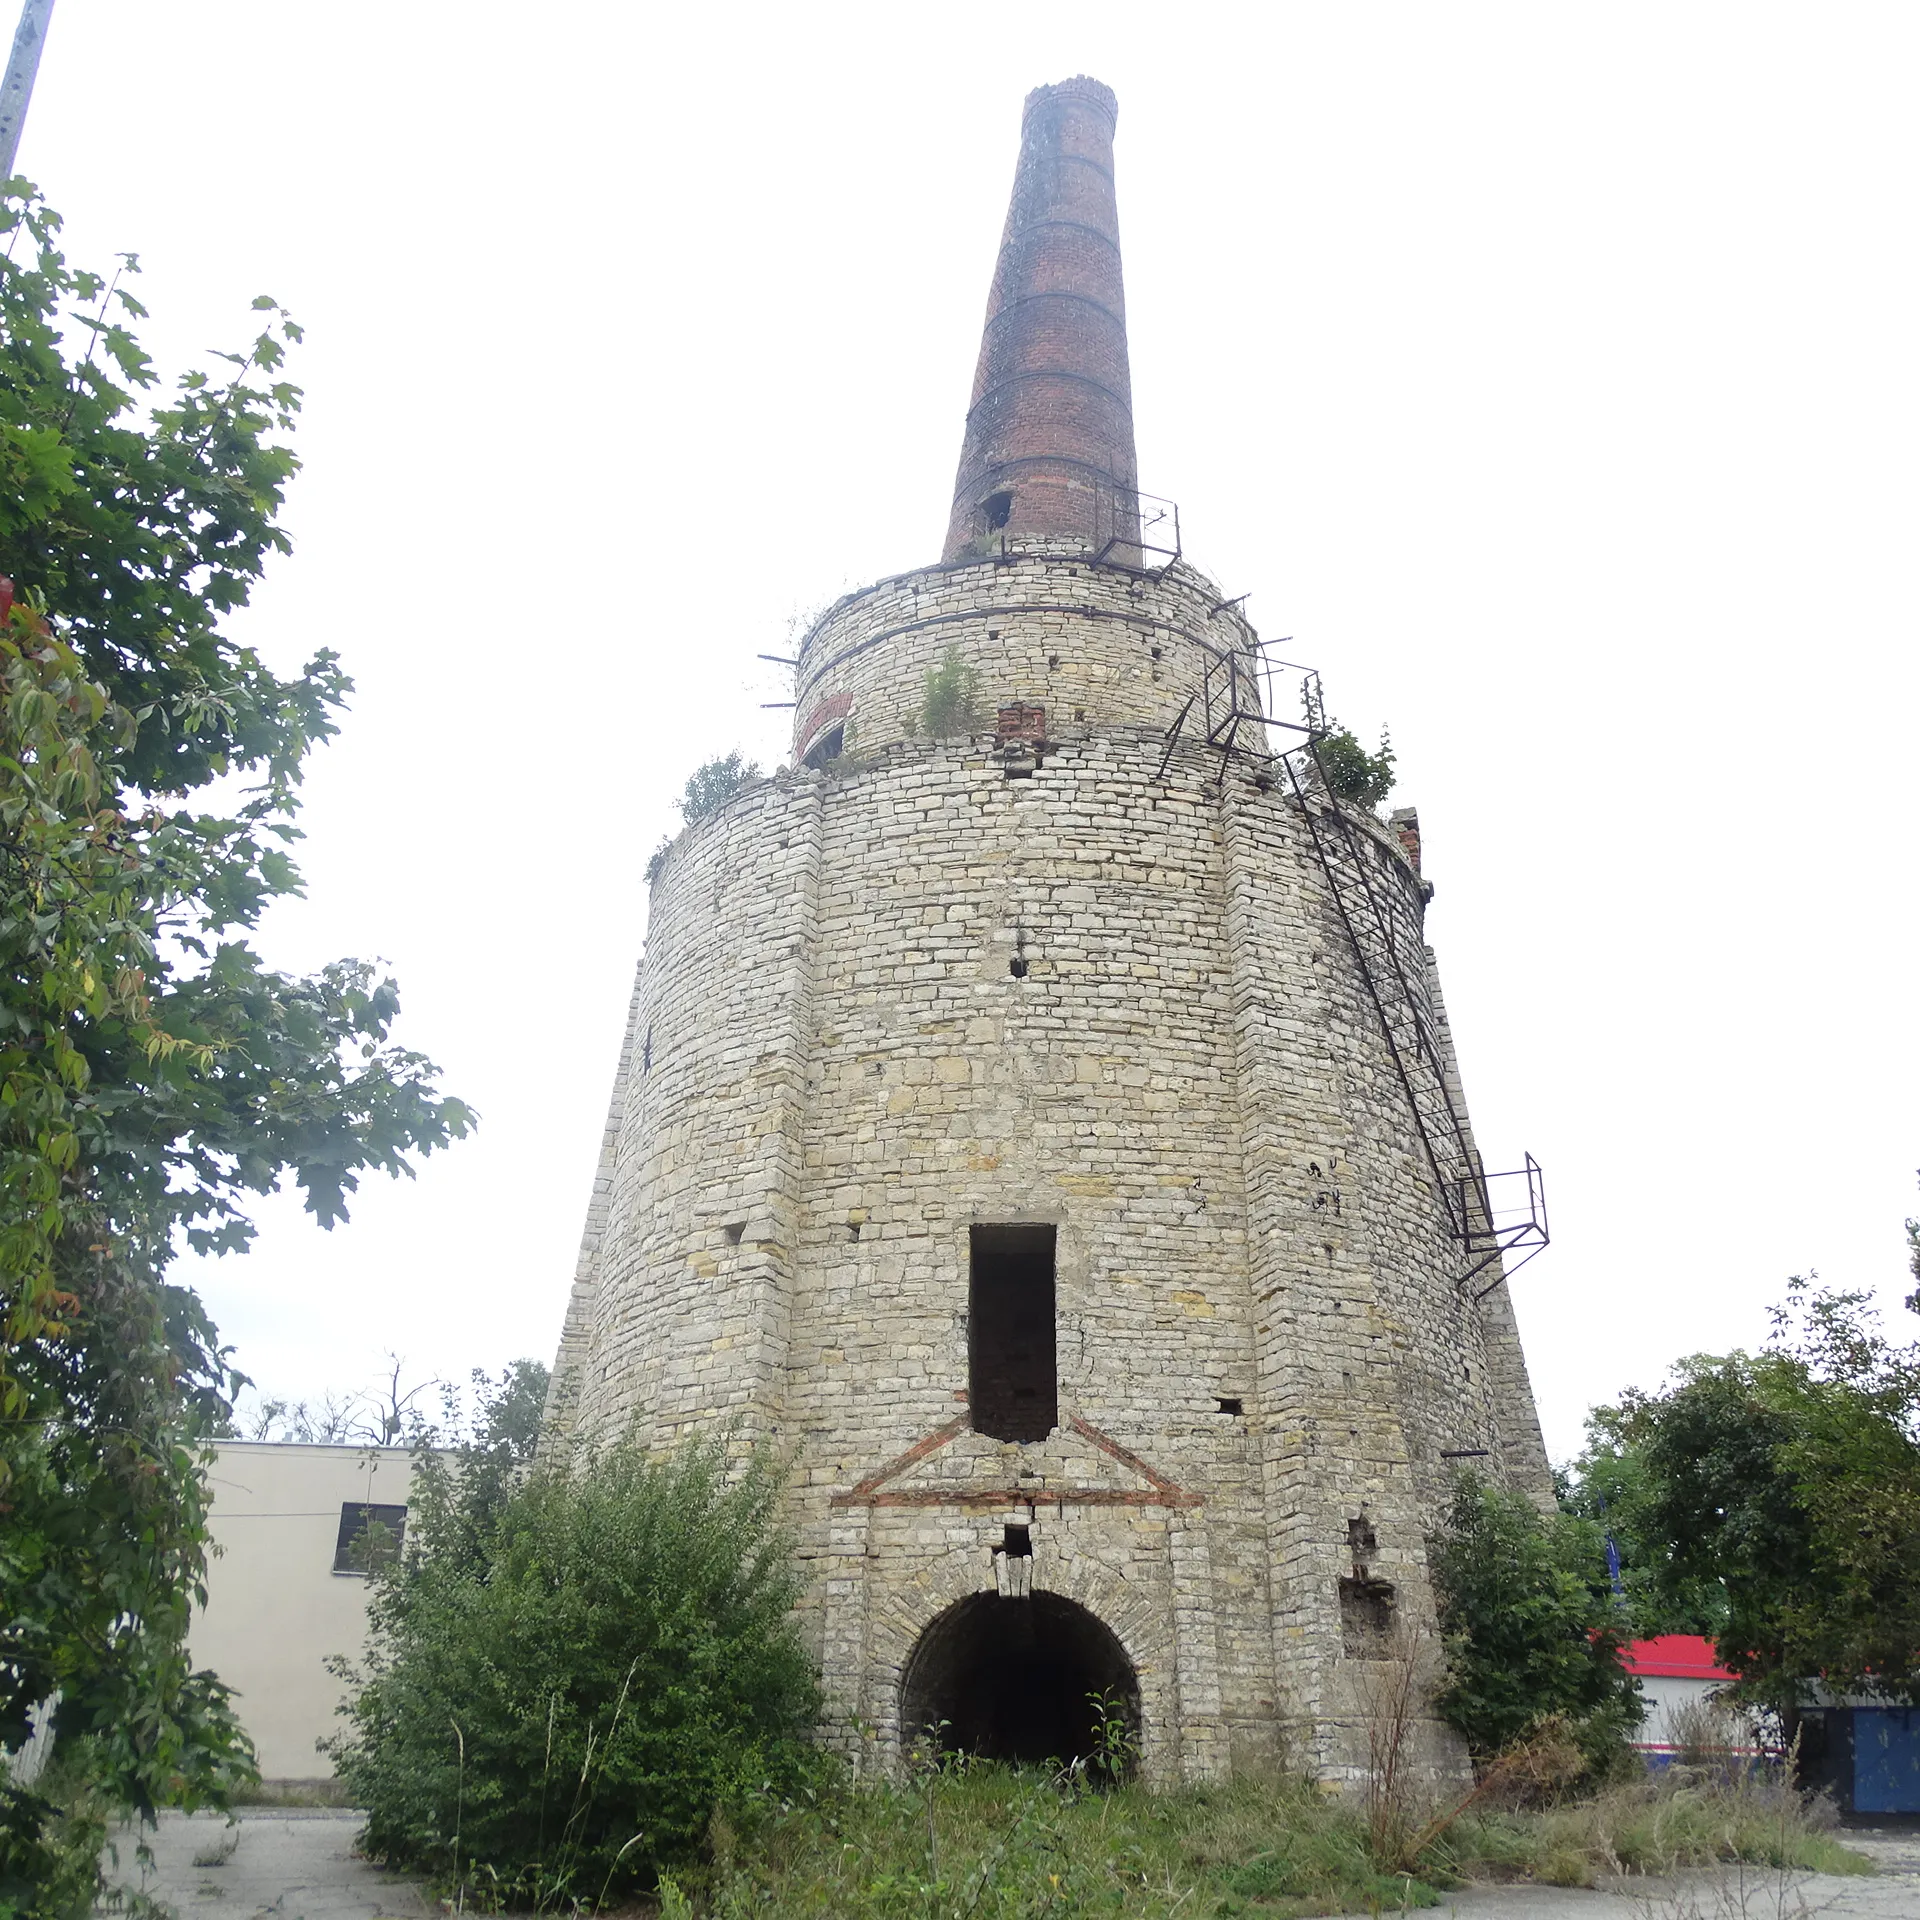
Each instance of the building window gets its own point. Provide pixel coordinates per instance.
(370, 1535)
(1013, 1380)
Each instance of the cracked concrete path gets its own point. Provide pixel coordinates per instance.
(289, 1863)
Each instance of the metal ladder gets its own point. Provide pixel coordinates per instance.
(1484, 1233)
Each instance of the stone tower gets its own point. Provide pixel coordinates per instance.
(1048, 1132)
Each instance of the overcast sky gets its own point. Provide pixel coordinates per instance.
(1549, 373)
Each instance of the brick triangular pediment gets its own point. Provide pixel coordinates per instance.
(1077, 1465)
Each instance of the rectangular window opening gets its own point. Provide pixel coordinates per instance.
(1013, 1379)
(1366, 1618)
(370, 1535)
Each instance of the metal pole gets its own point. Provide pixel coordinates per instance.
(22, 64)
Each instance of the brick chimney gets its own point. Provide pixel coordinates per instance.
(1048, 454)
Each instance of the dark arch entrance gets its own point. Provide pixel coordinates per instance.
(1009, 1679)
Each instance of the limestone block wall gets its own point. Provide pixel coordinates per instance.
(1095, 645)
(1095, 1091)
(683, 1316)
(835, 1069)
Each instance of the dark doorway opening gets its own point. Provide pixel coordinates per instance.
(827, 749)
(1025, 1681)
(1013, 1379)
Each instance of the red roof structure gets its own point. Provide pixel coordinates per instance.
(1674, 1656)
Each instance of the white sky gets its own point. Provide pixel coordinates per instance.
(1548, 372)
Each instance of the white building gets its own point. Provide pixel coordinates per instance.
(1680, 1676)
(286, 1584)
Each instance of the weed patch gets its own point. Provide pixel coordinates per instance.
(992, 1843)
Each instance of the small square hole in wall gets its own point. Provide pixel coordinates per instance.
(1366, 1618)
(1360, 1537)
(1017, 1543)
(1229, 1404)
(1017, 967)
(733, 1230)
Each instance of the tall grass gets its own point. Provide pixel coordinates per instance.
(981, 1842)
(992, 1843)
(1663, 1824)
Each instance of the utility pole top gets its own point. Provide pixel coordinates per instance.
(22, 64)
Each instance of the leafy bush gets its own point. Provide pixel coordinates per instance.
(710, 787)
(1351, 771)
(1530, 1628)
(569, 1673)
(953, 692)
(53, 1837)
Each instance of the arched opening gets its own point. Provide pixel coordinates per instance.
(826, 749)
(1020, 1680)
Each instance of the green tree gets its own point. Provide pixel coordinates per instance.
(154, 1074)
(711, 786)
(1913, 1264)
(1530, 1628)
(1790, 1480)
(1351, 771)
(570, 1672)
(1607, 1485)
(952, 698)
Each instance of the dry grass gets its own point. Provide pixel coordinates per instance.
(1667, 1823)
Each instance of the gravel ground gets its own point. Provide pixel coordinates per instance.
(298, 1864)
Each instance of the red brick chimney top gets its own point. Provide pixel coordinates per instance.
(1047, 459)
